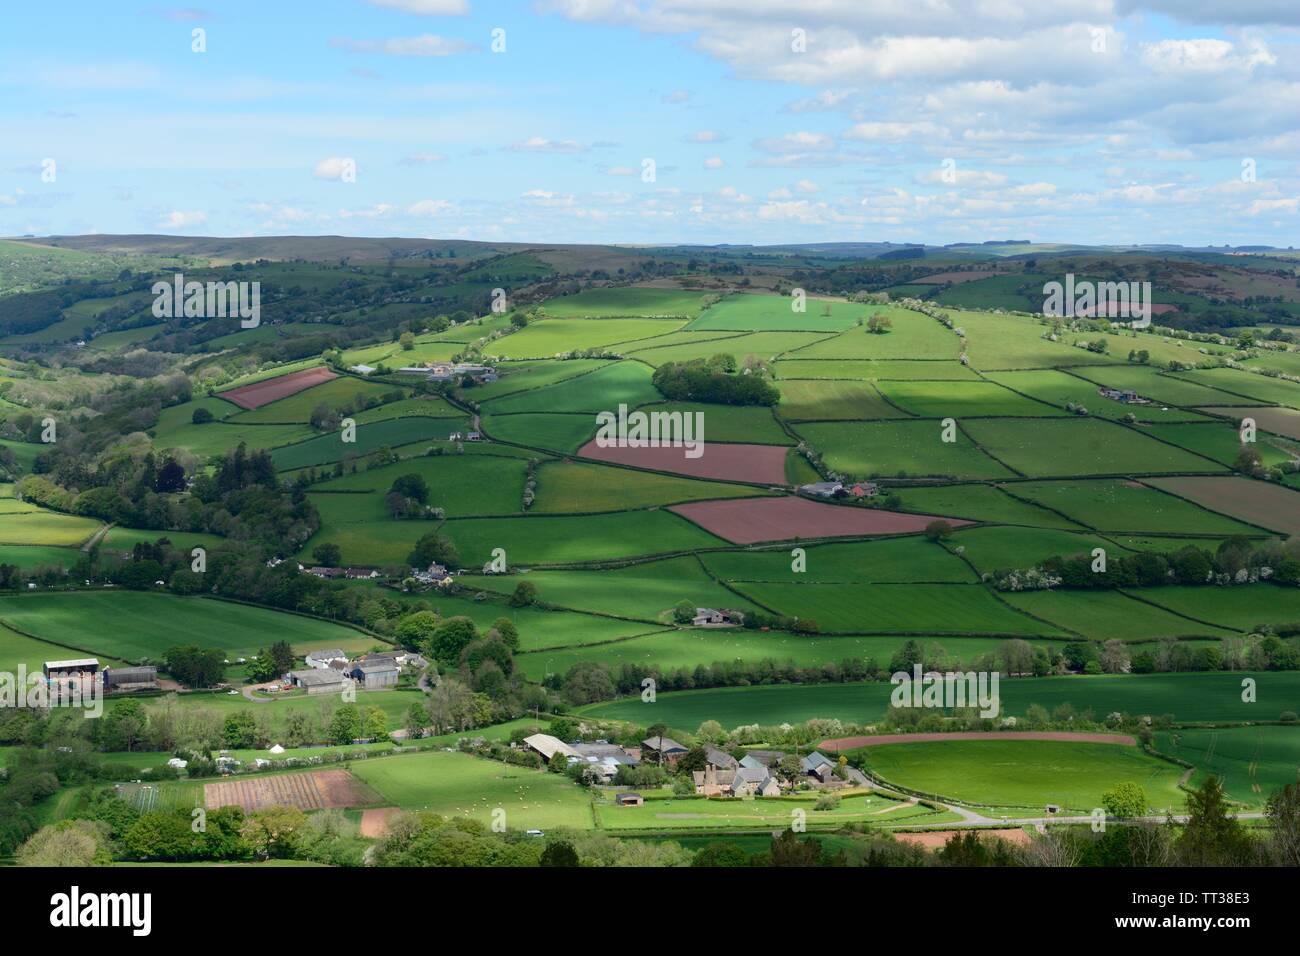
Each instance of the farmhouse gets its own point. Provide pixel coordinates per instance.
(434, 574)
(864, 489)
(741, 782)
(663, 749)
(126, 679)
(327, 573)
(546, 746)
(324, 658)
(375, 675)
(762, 758)
(313, 681)
(360, 574)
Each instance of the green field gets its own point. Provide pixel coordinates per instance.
(808, 400)
(134, 625)
(546, 539)
(872, 370)
(771, 813)
(1242, 607)
(568, 487)
(1109, 615)
(884, 561)
(50, 528)
(1062, 388)
(773, 313)
(603, 389)
(1189, 697)
(560, 433)
(980, 502)
(460, 484)
(895, 608)
(912, 336)
(548, 337)
(1253, 386)
(1252, 762)
(1079, 446)
(458, 785)
(1027, 773)
(962, 400)
(902, 448)
(627, 301)
(1116, 505)
(647, 591)
(1003, 549)
(370, 437)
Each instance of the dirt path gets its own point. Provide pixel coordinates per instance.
(882, 740)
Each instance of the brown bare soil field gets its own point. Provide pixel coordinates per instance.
(317, 790)
(883, 740)
(1275, 507)
(273, 389)
(374, 823)
(1279, 421)
(936, 839)
(750, 520)
(760, 464)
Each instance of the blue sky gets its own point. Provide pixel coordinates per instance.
(954, 120)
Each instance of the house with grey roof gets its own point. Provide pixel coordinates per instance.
(322, 659)
(663, 749)
(319, 681)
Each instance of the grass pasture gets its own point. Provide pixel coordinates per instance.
(627, 302)
(1253, 762)
(899, 448)
(1118, 505)
(808, 400)
(459, 785)
(1078, 446)
(1106, 615)
(884, 561)
(962, 400)
(568, 487)
(1026, 773)
(370, 437)
(135, 625)
(896, 608)
(603, 389)
(545, 338)
(747, 312)
(559, 433)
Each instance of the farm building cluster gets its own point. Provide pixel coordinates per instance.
(446, 371)
(838, 489)
(87, 674)
(330, 671)
(759, 773)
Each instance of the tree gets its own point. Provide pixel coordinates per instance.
(416, 630)
(1125, 801)
(327, 555)
(879, 324)
(1212, 836)
(274, 832)
(67, 843)
(171, 477)
(346, 726)
(938, 530)
(1283, 812)
(407, 341)
(525, 594)
(721, 853)
(559, 853)
(411, 486)
(451, 637)
(282, 656)
(434, 548)
(509, 633)
(201, 416)
(684, 612)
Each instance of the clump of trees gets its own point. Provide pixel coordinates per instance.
(716, 381)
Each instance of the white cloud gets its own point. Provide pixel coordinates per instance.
(714, 162)
(539, 144)
(423, 159)
(428, 8)
(426, 44)
(430, 207)
(178, 219)
(335, 167)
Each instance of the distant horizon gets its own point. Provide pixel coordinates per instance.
(1248, 246)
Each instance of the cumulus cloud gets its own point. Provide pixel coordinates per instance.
(428, 8)
(335, 168)
(540, 144)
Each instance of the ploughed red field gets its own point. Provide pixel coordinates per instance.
(273, 389)
(761, 464)
(750, 520)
